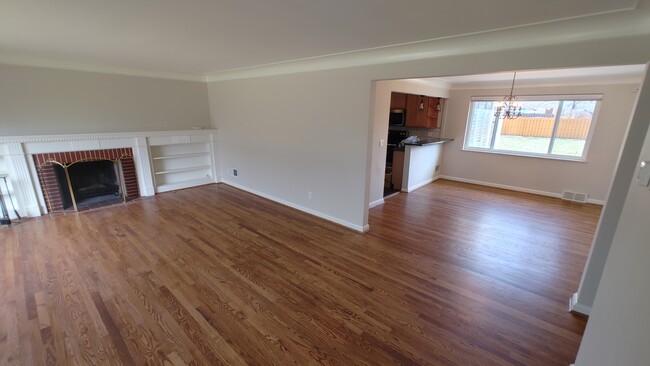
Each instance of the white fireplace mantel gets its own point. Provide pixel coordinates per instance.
(16, 153)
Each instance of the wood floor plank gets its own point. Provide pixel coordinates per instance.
(450, 274)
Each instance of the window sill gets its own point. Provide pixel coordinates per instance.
(528, 155)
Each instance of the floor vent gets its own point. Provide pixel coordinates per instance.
(574, 196)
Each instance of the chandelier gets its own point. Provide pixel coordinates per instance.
(509, 108)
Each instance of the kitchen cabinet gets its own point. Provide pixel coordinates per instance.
(397, 100)
(398, 169)
(422, 111)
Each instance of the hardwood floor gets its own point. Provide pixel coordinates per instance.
(451, 274)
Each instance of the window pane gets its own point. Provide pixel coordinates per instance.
(531, 132)
(481, 124)
(573, 127)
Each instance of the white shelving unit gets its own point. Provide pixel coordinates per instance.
(182, 165)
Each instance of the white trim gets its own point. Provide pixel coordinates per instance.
(633, 80)
(349, 225)
(525, 155)
(43, 62)
(576, 307)
(419, 185)
(513, 188)
(99, 136)
(561, 98)
(539, 97)
(376, 203)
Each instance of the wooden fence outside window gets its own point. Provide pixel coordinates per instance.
(568, 128)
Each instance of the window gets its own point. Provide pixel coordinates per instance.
(557, 127)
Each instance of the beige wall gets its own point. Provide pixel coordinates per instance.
(35, 101)
(543, 175)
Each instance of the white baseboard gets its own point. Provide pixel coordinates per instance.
(576, 307)
(349, 225)
(513, 188)
(422, 184)
(376, 203)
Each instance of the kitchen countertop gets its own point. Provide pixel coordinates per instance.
(432, 141)
(427, 142)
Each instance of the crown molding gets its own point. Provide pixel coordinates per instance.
(100, 136)
(630, 79)
(620, 24)
(43, 62)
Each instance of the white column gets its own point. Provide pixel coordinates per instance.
(143, 167)
(21, 180)
(216, 168)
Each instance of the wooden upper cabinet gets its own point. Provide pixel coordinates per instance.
(422, 111)
(416, 110)
(397, 100)
(432, 113)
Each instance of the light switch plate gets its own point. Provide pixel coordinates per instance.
(644, 173)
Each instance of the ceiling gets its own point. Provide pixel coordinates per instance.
(208, 36)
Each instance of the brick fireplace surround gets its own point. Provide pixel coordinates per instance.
(49, 183)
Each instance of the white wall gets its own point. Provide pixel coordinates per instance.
(618, 330)
(420, 166)
(381, 108)
(543, 175)
(291, 135)
(40, 101)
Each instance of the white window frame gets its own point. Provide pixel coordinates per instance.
(551, 97)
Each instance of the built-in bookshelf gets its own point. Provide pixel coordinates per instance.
(182, 165)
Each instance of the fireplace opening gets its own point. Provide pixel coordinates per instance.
(91, 184)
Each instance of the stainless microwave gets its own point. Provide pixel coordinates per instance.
(397, 117)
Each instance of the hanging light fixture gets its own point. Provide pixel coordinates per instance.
(509, 108)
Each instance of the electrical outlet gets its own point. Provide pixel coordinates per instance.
(234, 172)
(437, 167)
(309, 195)
(381, 143)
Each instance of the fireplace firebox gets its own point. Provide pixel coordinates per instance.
(89, 183)
(86, 179)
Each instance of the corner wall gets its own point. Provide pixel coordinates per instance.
(619, 327)
(545, 176)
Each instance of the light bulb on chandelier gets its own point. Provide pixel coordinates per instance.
(509, 108)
